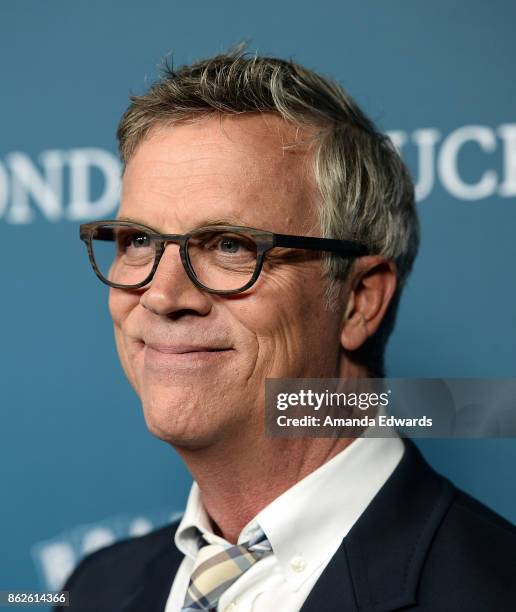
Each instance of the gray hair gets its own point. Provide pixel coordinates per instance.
(367, 194)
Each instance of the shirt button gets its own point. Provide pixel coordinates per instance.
(298, 564)
(230, 607)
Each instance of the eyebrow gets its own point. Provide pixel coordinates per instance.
(131, 220)
(207, 222)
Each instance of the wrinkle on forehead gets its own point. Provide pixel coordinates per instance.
(282, 137)
(248, 161)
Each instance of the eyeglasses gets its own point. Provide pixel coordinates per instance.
(221, 259)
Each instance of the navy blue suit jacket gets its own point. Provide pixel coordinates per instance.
(420, 545)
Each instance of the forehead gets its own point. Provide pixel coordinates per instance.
(252, 169)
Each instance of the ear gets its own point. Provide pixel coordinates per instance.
(371, 285)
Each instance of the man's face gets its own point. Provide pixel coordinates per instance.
(181, 177)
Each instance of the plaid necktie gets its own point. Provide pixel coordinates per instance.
(218, 566)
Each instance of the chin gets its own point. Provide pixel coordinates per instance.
(181, 423)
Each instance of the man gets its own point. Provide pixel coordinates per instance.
(232, 167)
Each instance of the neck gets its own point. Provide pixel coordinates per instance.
(241, 475)
(237, 481)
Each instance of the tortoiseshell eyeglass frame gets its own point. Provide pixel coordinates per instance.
(264, 240)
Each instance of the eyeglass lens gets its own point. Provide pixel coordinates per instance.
(220, 259)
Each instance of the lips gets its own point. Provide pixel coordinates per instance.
(183, 359)
(179, 349)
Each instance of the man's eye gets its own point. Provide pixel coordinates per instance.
(133, 240)
(225, 246)
(225, 243)
(228, 244)
(139, 240)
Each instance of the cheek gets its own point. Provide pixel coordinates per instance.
(294, 332)
(121, 304)
(114, 305)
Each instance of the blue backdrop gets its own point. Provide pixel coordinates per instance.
(77, 465)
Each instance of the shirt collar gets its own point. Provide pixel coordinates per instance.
(307, 523)
(195, 519)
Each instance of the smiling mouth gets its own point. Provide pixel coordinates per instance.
(185, 350)
(183, 356)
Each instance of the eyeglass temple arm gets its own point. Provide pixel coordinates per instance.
(321, 244)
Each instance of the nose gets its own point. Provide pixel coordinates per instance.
(171, 292)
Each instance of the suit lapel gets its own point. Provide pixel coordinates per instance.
(152, 592)
(334, 589)
(378, 565)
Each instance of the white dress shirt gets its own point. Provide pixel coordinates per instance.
(305, 526)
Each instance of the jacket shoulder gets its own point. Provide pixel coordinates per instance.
(105, 578)
(131, 554)
(424, 544)
(474, 554)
